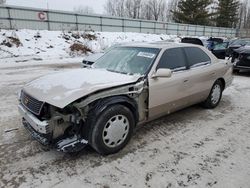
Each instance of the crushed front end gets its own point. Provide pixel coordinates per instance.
(51, 126)
(69, 128)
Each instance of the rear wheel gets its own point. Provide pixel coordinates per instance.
(215, 95)
(112, 130)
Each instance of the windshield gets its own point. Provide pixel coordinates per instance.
(221, 46)
(240, 42)
(127, 60)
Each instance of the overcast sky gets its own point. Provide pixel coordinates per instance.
(67, 5)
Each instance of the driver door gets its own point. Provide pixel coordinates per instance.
(169, 94)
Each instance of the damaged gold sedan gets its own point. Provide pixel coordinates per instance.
(127, 86)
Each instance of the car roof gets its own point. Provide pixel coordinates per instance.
(159, 44)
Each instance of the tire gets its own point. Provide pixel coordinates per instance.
(112, 130)
(236, 71)
(214, 96)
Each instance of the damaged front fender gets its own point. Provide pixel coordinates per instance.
(135, 95)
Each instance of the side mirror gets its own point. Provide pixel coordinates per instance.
(162, 73)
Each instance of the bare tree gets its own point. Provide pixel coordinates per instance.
(171, 7)
(84, 10)
(146, 9)
(133, 8)
(2, 2)
(244, 15)
(247, 19)
(154, 10)
(157, 8)
(115, 8)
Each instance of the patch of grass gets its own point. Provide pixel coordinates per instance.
(76, 35)
(89, 36)
(11, 41)
(79, 48)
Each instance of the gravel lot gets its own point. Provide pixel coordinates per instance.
(191, 148)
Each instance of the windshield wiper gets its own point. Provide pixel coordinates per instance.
(116, 71)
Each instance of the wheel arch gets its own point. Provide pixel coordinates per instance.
(223, 82)
(130, 103)
(98, 106)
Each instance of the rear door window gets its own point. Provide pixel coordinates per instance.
(173, 59)
(196, 57)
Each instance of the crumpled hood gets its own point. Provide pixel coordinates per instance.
(61, 89)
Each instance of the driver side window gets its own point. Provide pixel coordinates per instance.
(173, 59)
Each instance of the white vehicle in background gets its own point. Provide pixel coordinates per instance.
(91, 59)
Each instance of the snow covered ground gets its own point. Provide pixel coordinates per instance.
(56, 44)
(190, 148)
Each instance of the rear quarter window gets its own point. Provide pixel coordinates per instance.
(196, 57)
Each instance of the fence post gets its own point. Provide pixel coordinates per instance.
(77, 27)
(140, 26)
(154, 27)
(166, 27)
(8, 9)
(177, 29)
(101, 23)
(48, 19)
(122, 25)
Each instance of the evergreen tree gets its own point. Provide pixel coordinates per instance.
(227, 13)
(193, 12)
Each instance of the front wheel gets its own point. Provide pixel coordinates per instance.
(215, 95)
(112, 130)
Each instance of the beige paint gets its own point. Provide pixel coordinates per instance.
(54, 89)
(184, 88)
(165, 95)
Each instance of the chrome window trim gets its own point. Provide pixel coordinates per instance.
(201, 64)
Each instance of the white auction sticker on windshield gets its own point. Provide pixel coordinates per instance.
(146, 54)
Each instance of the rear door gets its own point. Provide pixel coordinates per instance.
(201, 74)
(168, 94)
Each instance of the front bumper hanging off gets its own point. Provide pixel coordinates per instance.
(40, 131)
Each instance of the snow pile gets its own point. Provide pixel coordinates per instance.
(53, 44)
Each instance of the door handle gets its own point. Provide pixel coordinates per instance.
(185, 81)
